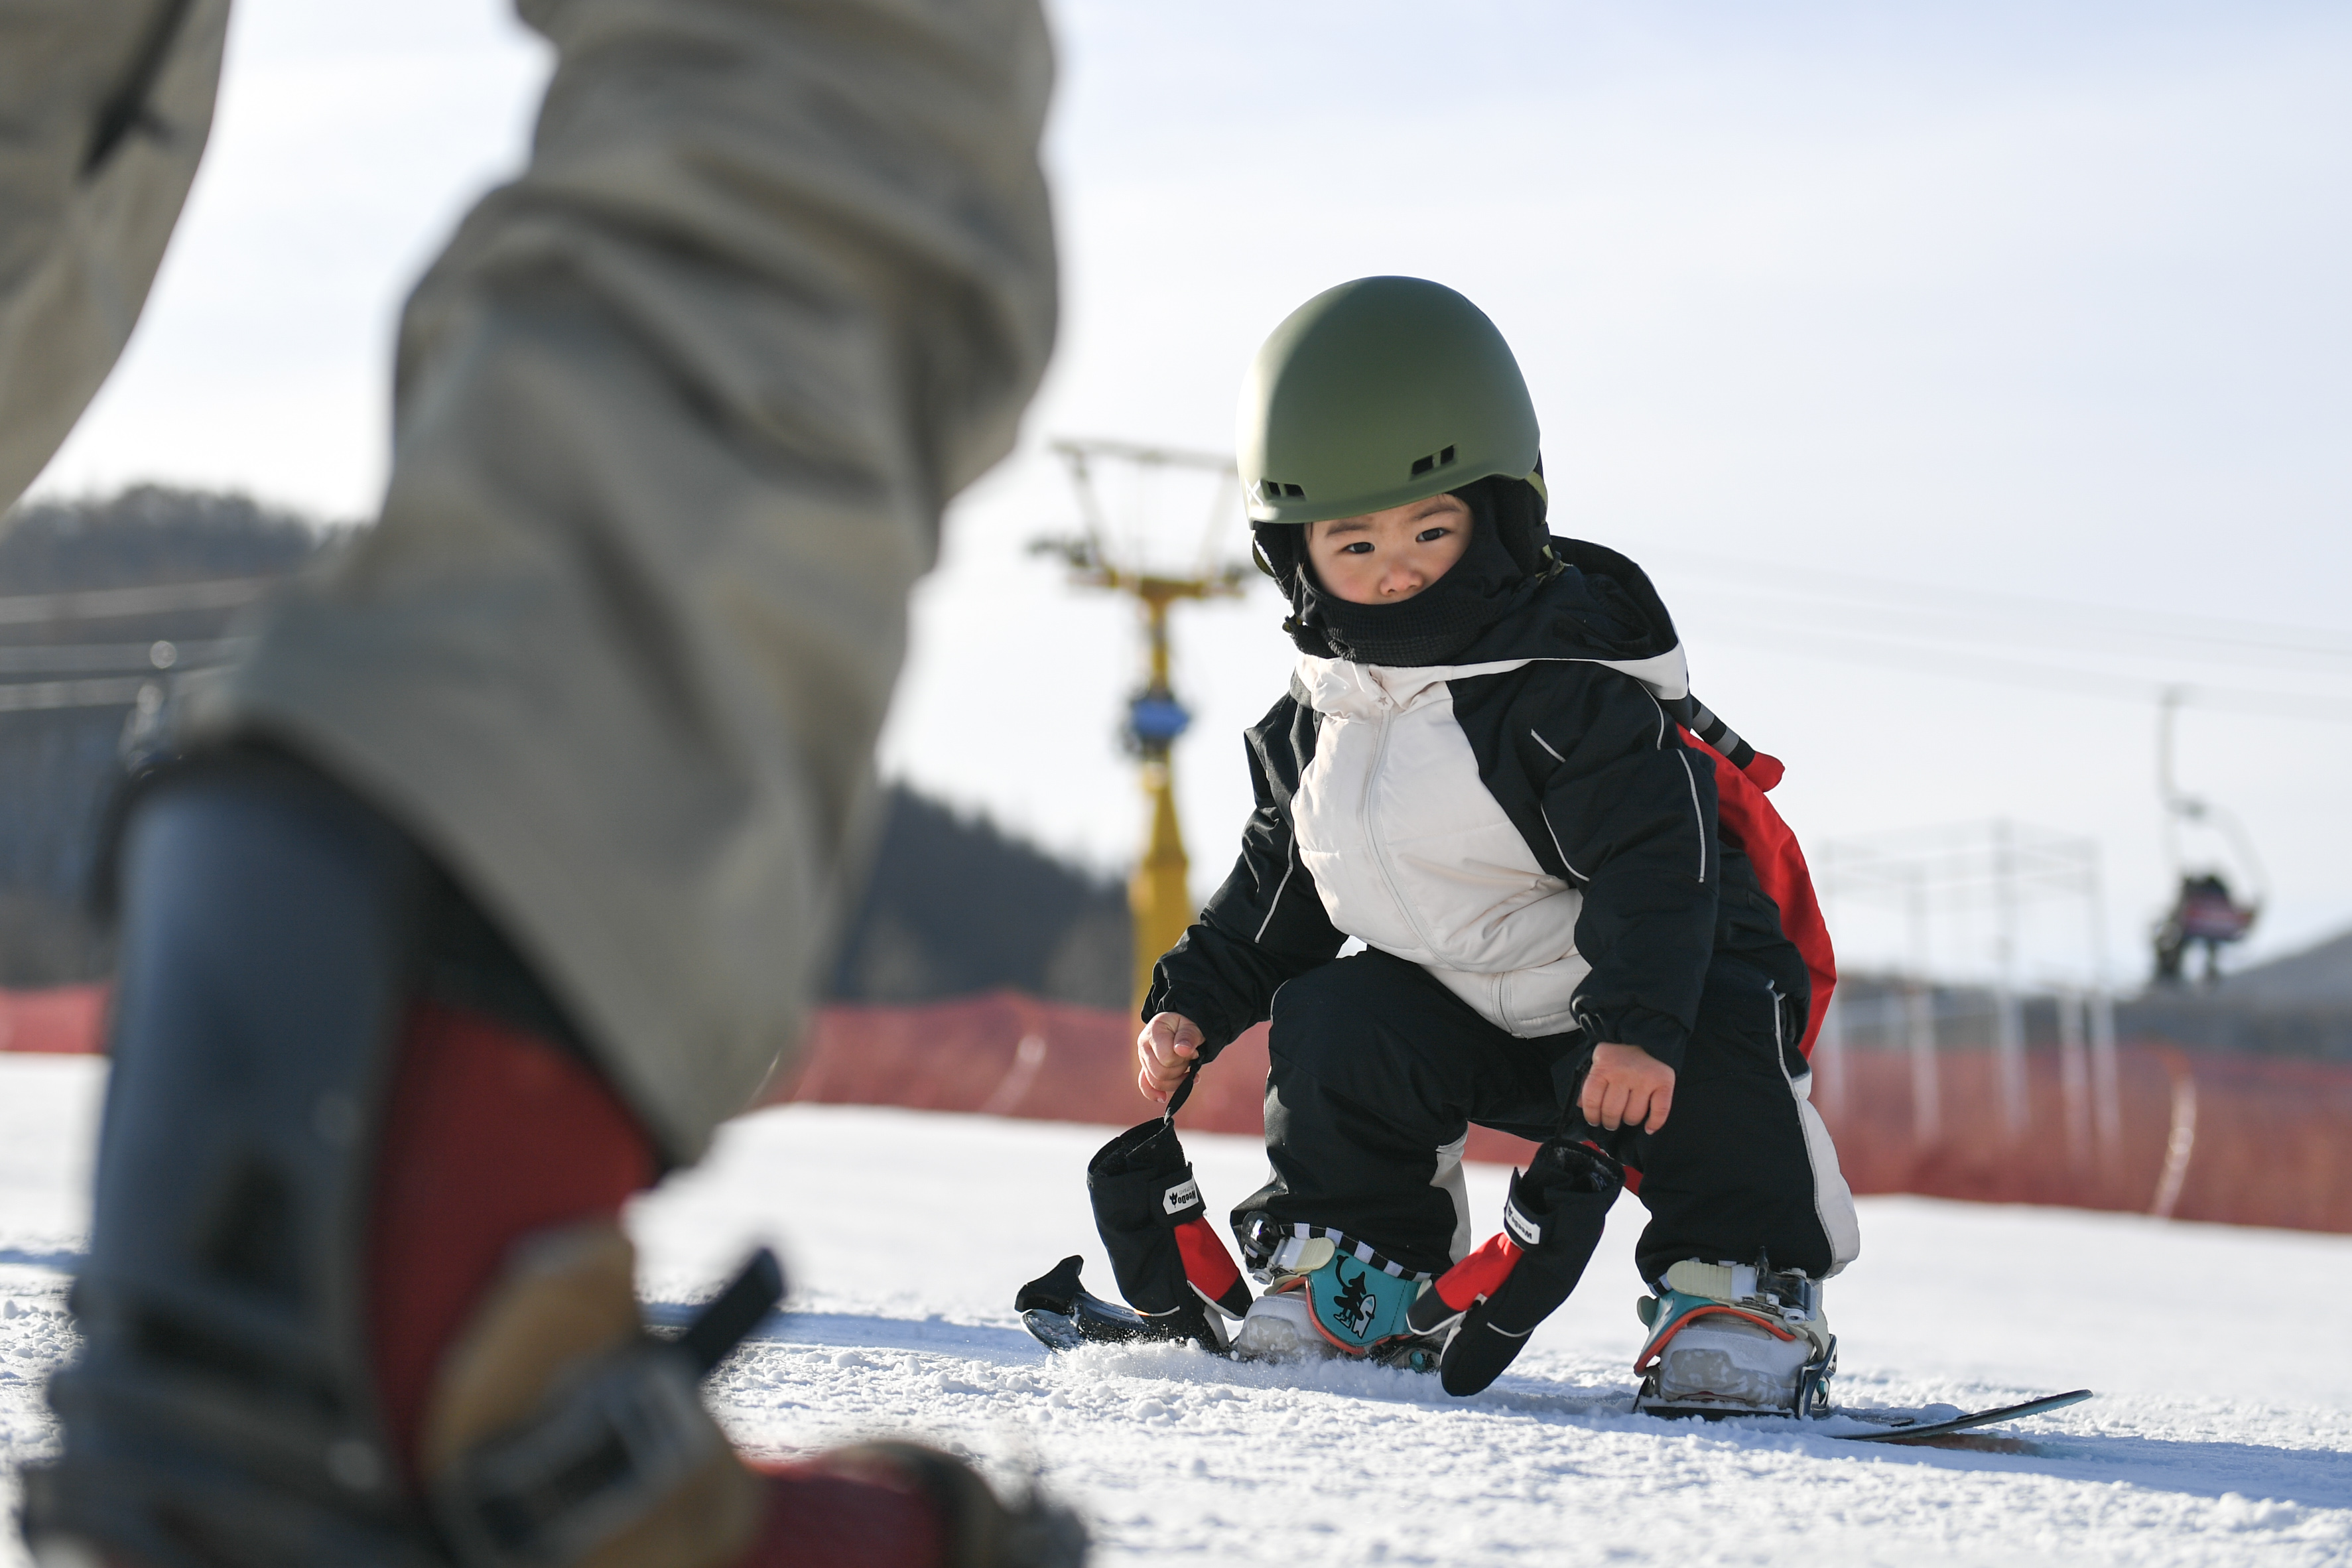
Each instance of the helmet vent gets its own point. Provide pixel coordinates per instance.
(1435, 460)
(1274, 489)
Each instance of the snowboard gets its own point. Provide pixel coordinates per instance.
(1064, 1316)
(1958, 1432)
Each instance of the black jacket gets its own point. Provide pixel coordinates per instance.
(1590, 766)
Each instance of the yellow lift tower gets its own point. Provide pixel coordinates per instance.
(1158, 894)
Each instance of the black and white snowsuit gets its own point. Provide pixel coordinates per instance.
(1527, 848)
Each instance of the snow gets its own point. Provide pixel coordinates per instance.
(2222, 1433)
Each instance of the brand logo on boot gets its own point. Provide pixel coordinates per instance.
(1184, 1196)
(1354, 1304)
(1529, 1233)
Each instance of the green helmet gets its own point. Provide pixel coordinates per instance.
(1378, 393)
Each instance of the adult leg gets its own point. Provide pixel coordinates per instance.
(677, 412)
(1377, 1073)
(105, 105)
(1743, 1168)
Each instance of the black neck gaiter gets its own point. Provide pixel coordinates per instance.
(1436, 624)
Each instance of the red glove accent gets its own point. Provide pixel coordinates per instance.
(1209, 1268)
(1480, 1274)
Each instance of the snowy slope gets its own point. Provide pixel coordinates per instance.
(2223, 1432)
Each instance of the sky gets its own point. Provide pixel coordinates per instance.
(1966, 374)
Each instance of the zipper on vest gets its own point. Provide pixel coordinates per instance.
(1380, 847)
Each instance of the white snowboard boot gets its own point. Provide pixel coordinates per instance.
(1280, 1327)
(1323, 1298)
(1728, 1340)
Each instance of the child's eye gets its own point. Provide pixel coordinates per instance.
(1361, 547)
(1428, 535)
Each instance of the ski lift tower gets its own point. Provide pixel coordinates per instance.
(1158, 895)
(1940, 884)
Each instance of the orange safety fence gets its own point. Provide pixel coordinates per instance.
(2193, 1135)
(2242, 1139)
(1005, 1054)
(64, 1020)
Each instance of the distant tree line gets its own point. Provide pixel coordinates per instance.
(59, 763)
(150, 534)
(955, 905)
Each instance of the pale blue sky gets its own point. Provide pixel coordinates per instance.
(2025, 299)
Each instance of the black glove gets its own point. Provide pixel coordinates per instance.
(1555, 1212)
(1167, 1256)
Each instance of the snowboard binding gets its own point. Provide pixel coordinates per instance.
(1736, 1339)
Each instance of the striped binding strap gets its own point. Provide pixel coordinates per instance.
(1345, 1243)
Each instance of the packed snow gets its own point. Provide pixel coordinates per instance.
(2222, 1433)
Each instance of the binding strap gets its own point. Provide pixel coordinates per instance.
(607, 1451)
(1264, 1233)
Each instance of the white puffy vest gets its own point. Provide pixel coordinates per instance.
(1413, 855)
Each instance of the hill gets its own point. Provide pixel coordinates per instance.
(2298, 1005)
(955, 905)
(2318, 976)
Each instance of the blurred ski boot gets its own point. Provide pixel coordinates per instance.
(357, 1292)
(1730, 1339)
(1324, 1295)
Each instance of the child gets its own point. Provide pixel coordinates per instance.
(1480, 772)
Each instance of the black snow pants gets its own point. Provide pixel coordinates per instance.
(1377, 1067)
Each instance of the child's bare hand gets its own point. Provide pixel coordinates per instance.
(1164, 1052)
(1626, 1086)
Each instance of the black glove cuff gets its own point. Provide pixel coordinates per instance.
(1142, 1189)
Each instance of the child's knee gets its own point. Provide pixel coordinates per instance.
(1344, 1013)
(1311, 1024)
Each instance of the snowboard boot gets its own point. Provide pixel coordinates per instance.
(1325, 1294)
(357, 1290)
(1736, 1339)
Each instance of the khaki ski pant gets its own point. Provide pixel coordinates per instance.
(675, 416)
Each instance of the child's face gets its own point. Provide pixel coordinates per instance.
(1387, 557)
